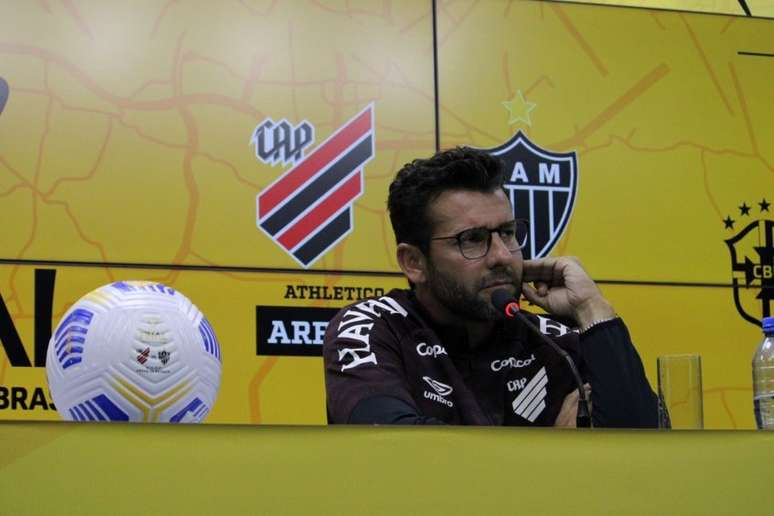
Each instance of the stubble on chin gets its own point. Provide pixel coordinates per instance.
(463, 303)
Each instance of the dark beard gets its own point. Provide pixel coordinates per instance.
(453, 296)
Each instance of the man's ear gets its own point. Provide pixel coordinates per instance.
(412, 262)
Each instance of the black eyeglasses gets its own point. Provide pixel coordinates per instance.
(475, 242)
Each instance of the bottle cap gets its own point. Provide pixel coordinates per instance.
(768, 324)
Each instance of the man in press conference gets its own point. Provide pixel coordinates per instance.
(455, 348)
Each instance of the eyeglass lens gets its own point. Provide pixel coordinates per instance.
(475, 242)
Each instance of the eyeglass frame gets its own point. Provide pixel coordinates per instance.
(497, 230)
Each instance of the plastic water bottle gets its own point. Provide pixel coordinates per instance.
(763, 377)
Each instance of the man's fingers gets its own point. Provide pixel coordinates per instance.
(549, 270)
(532, 295)
(540, 269)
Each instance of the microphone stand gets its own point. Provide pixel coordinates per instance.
(503, 301)
(583, 419)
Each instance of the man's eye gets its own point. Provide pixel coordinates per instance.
(507, 233)
(474, 236)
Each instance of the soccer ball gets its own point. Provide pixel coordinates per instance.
(134, 351)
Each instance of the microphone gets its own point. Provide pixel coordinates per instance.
(505, 303)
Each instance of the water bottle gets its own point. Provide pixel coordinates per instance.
(763, 377)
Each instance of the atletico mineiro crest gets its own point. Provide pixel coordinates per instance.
(541, 185)
(308, 210)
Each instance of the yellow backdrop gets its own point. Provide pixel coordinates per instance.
(126, 148)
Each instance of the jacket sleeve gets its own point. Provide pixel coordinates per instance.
(620, 393)
(362, 361)
(384, 410)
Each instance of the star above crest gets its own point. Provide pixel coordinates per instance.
(744, 211)
(519, 109)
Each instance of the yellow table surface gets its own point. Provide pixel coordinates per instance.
(79, 468)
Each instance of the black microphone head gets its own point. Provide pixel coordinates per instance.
(501, 298)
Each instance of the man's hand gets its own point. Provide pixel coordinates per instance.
(568, 414)
(562, 287)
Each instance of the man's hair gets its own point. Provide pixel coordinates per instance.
(420, 182)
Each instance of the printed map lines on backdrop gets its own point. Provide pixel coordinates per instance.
(175, 101)
(745, 111)
(162, 14)
(579, 39)
(254, 388)
(232, 168)
(192, 136)
(48, 59)
(703, 151)
(36, 176)
(722, 391)
(657, 19)
(509, 90)
(456, 22)
(257, 63)
(74, 13)
(255, 12)
(23, 181)
(409, 26)
(91, 172)
(126, 103)
(705, 182)
(353, 11)
(637, 90)
(710, 72)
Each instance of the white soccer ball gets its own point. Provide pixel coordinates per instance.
(134, 351)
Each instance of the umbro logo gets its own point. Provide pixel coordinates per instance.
(531, 402)
(441, 390)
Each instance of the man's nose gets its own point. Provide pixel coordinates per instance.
(498, 251)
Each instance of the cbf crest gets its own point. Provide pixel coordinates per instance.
(752, 262)
(541, 185)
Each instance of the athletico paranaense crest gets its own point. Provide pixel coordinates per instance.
(542, 187)
(752, 264)
(307, 210)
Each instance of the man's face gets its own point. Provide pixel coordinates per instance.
(459, 286)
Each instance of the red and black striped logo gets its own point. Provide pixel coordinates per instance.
(308, 209)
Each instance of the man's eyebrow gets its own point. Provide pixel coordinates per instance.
(499, 226)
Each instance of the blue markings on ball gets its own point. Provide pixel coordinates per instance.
(76, 414)
(79, 315)
(123, 287)
(150, 287)
(98, 409)
(94, 410)
(210, 342)
(164, 289)
(110, 409)
(87, 411)
(196, 408)
(71, 336)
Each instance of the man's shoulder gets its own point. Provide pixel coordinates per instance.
(361, 332)
(395, 305)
